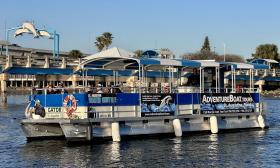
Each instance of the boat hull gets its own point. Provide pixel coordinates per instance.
(89, 129)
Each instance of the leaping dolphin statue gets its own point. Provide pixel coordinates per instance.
(44, 33)
(31, 28)
(20, 31)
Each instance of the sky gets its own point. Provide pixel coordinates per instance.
(180, 25)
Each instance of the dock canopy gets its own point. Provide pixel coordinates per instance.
(120, 59)
(239, 65)
(268, 62)
(114, 59)
(260, 66)
(208, 63)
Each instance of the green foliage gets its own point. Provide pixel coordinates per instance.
(75, 54)
(201, 55)
(232, 58)
(104, 41)
(267, 51)
(206, 45)
(208, 55)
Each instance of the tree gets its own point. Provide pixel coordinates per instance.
(104, 41)
(99, 43)
(138, 53)
(206, 45)
(212, 56)
(75, 54)
(201, 55)
(267, 51)
(231, 58)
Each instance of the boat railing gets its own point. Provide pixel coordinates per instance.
(128, 89)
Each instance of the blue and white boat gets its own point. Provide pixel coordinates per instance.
(159, 96)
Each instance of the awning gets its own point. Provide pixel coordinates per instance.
(208, 63)
(149, 61)
(190, 63)
(38, 71)
(103, 72)
(237, 65)
(242, 77)
(260, 66)
(264, 60)
(112, 59)
(272, 79)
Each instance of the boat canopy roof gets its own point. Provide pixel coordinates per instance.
(262, 60)
(120, 59)
(239, 65)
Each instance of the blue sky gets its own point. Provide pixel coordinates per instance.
(147, 24)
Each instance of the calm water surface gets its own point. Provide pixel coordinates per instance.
(254, 148)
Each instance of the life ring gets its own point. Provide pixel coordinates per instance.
(72, 108)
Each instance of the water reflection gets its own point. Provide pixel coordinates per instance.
(249, 148)
(114, 154)
(213, 147)
(3, 98)
(177, 148)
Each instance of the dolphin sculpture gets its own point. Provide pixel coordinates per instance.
(31, 28)
(44, 33)
(20, 31)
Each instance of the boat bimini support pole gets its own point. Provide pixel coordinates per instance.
(170, 78)
(83, 77)
(139, 86)
(200, 80)
(234, 81)
(216, 71)
(251, 88)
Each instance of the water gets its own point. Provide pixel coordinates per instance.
(254, 148)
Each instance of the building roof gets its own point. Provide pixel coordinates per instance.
(208, 63)
(111, 53)
(270, 60)
(117, 58)
(266, 60)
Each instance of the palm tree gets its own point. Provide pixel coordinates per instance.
(104, 41)
(108, 38)
(75, 54)
(99, 43)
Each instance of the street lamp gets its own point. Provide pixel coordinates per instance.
(7, 37)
